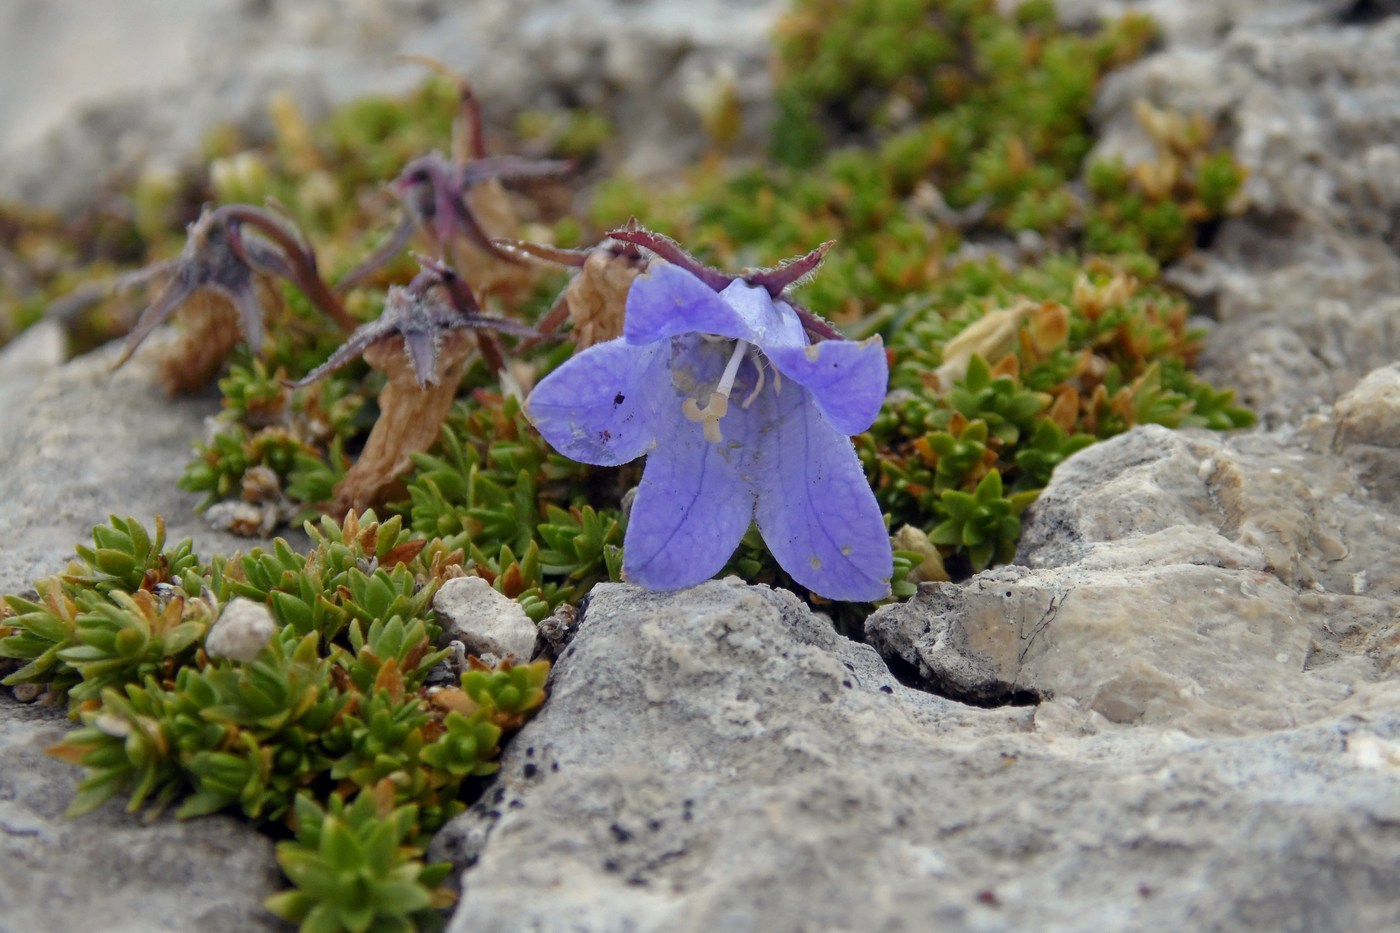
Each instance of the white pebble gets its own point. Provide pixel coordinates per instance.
(485, 621)
(240, 631)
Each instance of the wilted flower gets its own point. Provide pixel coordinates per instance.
(743, 419)
(221, 258)
(433, 307)
(423, 342)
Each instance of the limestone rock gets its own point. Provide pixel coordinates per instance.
(483, 620)
(23, 363)
(84, 443)
(83, 95)
(720, 758)
(1303, 284)
(1370, 413)
(1214, 584)
(110, 870)
(242, 630)
(1367, 432)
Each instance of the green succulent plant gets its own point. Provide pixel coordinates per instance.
(129, 636)
(985, 522)
(36, 633)
(335, 705)
(124, 555)
(1046, 449)
(509, 692)
(355, 868)
(466, 747)
(493, 487)
(106, 619)
(406, 645)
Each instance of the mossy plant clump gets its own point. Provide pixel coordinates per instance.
(331, 729)
(539, 527)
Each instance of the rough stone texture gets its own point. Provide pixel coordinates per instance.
(1370, 413)
(483, 620)
(1304, 284)
(111, 871)
(242, 630)
(721, 759)
(87, 92)
(24, 362)
(84, 443)
(1215, 585)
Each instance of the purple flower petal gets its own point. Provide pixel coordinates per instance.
(771, 323)
(846, 379)
(666, 300)
(690, 512)
(596, 408)
(768, 441)
(816, 511)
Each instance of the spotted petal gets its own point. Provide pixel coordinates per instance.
(816, 511)
(596, 408)
(847, 379)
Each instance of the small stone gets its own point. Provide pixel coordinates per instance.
(245, 519)
(483, 620)
(1373, 752)
(28, 693)
(240, 631)
(559, 628)
(1370, 413)
(930, 568)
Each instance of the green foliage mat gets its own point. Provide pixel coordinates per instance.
(330, 729)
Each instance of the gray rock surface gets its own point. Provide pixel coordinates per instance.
(721, 759)
(1210, 584)
(112, 872)
(23, 364)
(1304, 284)
(83, 443)
(89, 91)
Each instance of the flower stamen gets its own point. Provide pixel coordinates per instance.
(715, 409)
(718, 405)
(758, 383)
